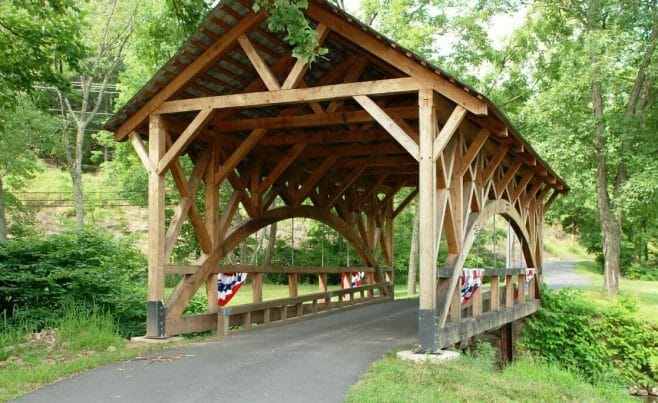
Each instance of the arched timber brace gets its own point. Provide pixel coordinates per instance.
(349, 141)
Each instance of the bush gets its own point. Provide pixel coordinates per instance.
(40, 276)
(602, 343)
(638, 271)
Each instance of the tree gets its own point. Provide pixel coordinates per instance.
(110, 27)
(597, 98)
(22, 129)
(51, 31)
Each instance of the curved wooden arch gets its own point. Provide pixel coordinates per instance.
(455, 262)
(184, 291)
(248, 227)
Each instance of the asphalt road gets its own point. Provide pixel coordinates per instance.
(315, 360)
(561, 274)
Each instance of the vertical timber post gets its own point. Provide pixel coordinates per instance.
(155, 312)
(212, 221)
(507, 342)
(427, 326)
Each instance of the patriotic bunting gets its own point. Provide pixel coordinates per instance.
(228, 285)
(529, 274)
(356, 278)
(470, 281)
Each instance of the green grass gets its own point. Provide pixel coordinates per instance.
(472, 379)
(645, 292)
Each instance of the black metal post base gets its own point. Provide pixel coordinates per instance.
(427, 331)
(155, 320)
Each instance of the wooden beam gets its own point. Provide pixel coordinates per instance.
(521, 185)
(315, 177)
(197, 66)
(141, 151)
(181, 210)
(369, 191)
(396, 58)
(475, 147)
(312, 120)
(493, 164)
(389, 125)
(426, 210)
(261, 67)
(405, 202)
(283, 164)
(509, 174)
(292, 96)
(300, 67)
(344, 185)
(452, 124)
(185, 138)
(239, 154)
(156, 211)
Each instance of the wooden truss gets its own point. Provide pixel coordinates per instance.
(335, 144)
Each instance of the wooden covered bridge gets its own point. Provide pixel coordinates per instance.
(334, 142)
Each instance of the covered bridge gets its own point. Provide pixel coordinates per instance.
(335, 142)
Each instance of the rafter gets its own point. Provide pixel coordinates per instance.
(259, 64)
(192, 70)
(389, 125)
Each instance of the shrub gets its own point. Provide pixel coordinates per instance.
(39, 276)
(602, 343)
(646, 272)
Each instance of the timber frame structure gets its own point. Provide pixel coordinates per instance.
(335, 142)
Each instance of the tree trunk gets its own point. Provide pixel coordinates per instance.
(610, 228)
(413, 255)
(76, 176)
(3, 221)
(271, 240)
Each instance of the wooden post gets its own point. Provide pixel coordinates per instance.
(427, 326)
(507, 342)
(322, 282)
(494, 302)
(521, 290)
(509, 291)
(455, 312)
(292, 284)
(212, 222)
(257, 287)
(532, 288)
(477, 302)
(155, 327)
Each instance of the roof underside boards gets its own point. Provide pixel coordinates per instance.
(213, 63)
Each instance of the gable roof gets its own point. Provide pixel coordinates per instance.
(211, 63)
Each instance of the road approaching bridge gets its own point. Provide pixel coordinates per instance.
(315, 360)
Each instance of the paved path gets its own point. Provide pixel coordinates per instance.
(561, 274)
(316, 360)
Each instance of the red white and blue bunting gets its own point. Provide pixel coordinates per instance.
(470, 281)
(529, 275)
(228, 285)
(356, 278)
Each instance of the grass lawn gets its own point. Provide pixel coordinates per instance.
(475, 379)
(645, 292)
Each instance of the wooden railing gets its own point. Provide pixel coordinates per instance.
(491, 305)
(285, 309)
